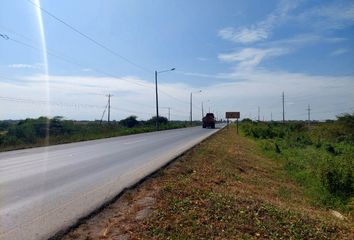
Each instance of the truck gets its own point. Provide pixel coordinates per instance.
(209, 121)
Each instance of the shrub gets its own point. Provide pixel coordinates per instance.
(161, 120)
(129, 122)
(320, 158)
(337, 177)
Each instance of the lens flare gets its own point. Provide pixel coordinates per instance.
(45, 62)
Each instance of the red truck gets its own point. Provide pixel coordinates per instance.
(209, 121)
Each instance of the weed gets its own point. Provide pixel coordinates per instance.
(321, 159)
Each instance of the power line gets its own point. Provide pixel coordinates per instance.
(73, 62)
(89, 38)
(17, 33)
(104, 111)
(53, 54)
(318, 112)
(67, 60)
(63, 104)
(70, 61)
(78, 105)
(43, 102)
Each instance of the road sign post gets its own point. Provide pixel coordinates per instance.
(237, 126)
(234, 115)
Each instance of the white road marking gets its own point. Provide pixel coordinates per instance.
(137, 141)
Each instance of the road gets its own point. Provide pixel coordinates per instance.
(46, 189)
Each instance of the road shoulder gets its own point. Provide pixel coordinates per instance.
(222, 188)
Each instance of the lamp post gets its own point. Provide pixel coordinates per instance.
(191, 101)
(157, 97)
(203, 107)
(169, 112)
(202, 110)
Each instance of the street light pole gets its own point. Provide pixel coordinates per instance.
(157, 97)
(191, 108)
(191, 105)
(157, 103)
(202, 110)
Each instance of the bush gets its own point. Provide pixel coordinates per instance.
(263, 131)
(337, 177)
(161, 120)
(129, 122)
(321, 158)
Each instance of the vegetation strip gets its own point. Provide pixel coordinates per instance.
(50, 131)
(221, 189)
(320, 157)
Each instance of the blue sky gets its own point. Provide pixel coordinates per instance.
(241, 54)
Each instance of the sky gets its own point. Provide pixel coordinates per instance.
(242, 55)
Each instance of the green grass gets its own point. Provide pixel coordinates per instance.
(321, 158)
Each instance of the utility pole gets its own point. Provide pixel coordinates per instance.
(308, 115)
(104, 111)
(202, 110)
(109, 107)
(259, 111)
(191, 108)
(283, 100)
(191, 105)
(169, 114)
(157, 103)
(271, 116)
(157, 96)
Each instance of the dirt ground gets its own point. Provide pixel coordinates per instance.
(221, 189)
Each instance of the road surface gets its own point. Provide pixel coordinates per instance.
(46, 189)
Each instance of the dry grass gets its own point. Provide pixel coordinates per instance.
(222, 189)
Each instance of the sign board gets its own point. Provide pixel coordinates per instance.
(233, 115)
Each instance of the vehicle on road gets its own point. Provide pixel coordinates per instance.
(209, 121)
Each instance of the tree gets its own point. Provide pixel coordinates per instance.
(129, 122)
(246, 120)
(161, 120)
(346, 119)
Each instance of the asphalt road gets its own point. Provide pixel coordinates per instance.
(43, 190)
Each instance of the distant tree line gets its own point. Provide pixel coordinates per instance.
(44, 131)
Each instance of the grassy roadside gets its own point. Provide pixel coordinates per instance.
(320, 157)
(39, 132)
(221, 189)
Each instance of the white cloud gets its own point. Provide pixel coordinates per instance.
(301, 40)
(131, 96)
(136, 96)
(332, 16)
(29, 66)
(244, 35)
(261, 30)
(251, 57)
(339, 51)
(263, 88)
(323, 17)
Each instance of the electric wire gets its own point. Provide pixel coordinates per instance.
(96, 42)
(63, 104)
(67, 60)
